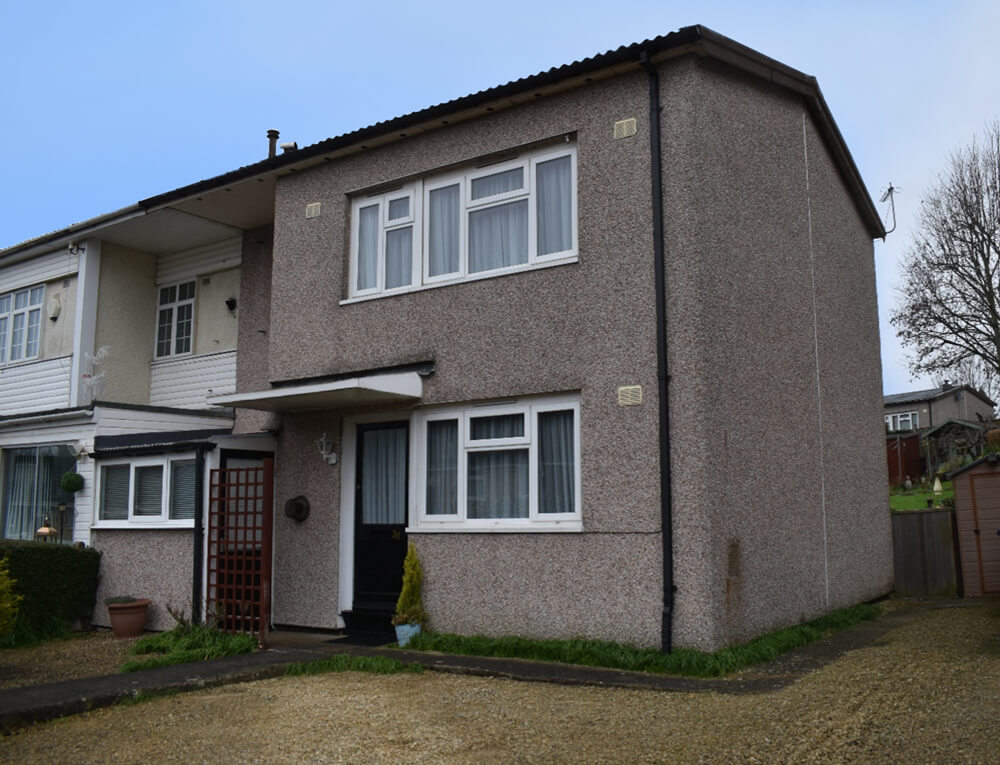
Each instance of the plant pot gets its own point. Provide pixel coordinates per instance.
(405, 633)
(128, 620)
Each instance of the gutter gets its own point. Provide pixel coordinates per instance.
(662, 375)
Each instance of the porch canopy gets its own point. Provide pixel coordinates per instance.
(361, 390)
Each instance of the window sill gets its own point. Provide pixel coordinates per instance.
(543, 527)
(136, 525)
(464, 279)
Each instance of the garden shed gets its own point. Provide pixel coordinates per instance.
(977, 516)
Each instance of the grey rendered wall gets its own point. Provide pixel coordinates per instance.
(948, 407)
(126, 319)
(154, 564)
(585, 327)
(780, 511)
(253, 315)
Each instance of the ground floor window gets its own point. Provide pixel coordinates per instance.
(151, 489)
(503, 466)
(31, 490)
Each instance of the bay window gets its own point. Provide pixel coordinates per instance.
(499, 467)
(478, 222)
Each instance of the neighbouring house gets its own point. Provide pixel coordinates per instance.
(535, 330)
(928, 431)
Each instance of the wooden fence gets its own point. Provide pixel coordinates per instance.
(924, 554)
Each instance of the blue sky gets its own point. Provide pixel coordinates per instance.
(105, 103)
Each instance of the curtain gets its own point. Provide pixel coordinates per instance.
(498, 236)
(556, 463)
(498, 484)
(442, 467)
(31, 488)
(114, 492)
(182, 475)
(368, 232)
(442, 234)
(398, 257)
(383, 476)
(497, 426)
(555, 217)
(498, 183)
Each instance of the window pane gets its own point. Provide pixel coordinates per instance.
(399, 208)
(554, 206)
(500, 426)
(498, 183)
(184, 327)
(498, 484)
(498, 236)
(398, 257)
(114, 493)
(443, 223)
(383, 471)
(442, 467)
(168, 295)
(34, 322)
(3, 338)
(19, 494)
(17, 337)
(182, 476)
(368, 232)
(556, 463)
(36, 295)
(185, 291)
(5, 303)
(163, 331)
(149, 490)
(21, 299)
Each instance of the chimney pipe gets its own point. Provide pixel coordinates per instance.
(272, 143)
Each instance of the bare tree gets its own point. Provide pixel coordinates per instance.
(948, 314)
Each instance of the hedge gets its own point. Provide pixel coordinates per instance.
(59, 585)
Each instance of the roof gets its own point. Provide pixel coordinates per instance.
(624, 58)
(931, 394)
(160, 441)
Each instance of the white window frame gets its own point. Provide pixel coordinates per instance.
(32, 308)
(163, 520)
(421, 521)
(420, 207)
(172, 353)
(895, 420)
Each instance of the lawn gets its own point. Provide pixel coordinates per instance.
(916, 499)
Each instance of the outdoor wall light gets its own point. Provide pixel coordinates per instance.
(231, 304)
(326, 450)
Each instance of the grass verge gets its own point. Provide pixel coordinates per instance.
(916, 499)
(682, 661)
(378, 665)
(186, 643)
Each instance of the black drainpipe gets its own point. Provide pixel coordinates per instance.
(662, 378)
(199, 535)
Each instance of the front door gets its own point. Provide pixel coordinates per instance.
(380, 515)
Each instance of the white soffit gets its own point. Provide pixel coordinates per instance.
(354, 391)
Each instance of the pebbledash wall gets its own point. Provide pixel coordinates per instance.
(778, 472)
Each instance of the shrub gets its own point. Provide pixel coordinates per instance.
(410, 606)
(9, 600)
(58, 585)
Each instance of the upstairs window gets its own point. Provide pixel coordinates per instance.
(20, 323)
(479, 222)
(902, 421)
(175, 319)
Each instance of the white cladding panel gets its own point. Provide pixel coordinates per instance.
(187, 381)
(36, 386)
(113, 421)
(37, 270)
(201, 260)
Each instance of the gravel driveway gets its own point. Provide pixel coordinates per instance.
(928, 691)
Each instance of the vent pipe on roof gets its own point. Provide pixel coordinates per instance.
(272, 143)
(290, 146)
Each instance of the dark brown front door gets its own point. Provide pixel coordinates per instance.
(380, 515)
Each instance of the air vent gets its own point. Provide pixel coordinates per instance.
(625, 128)
(629, 395)
(312, 210)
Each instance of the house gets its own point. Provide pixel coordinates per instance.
(535, 331)
(932, 430)
(927, 408)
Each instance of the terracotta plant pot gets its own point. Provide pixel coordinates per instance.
(128, 620)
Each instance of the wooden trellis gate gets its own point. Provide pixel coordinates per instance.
(239, 549)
